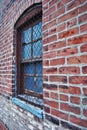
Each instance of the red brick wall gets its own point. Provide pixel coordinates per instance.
(65, 60)
(64, 57)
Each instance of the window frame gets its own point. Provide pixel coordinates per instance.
(21, 25)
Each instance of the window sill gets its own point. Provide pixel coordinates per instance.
(34, 110)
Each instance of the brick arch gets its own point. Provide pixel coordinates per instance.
(2, 126)
(28, 13)
(25, 8)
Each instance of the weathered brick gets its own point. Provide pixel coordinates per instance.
(63, 97)
(58, 79)
(82, 18)
(59, 61)
(59, 114)
(84, 48)
(77, 59)
(85, 91)
(77, 40)
(69, 70)
(52, 104)
(71, 22)
(75, 100)
(50, 70)
(57, 45)
(85, 112)
(68, 33)
(78, 121)
(67, 51)
(78, 80)
(54, 95)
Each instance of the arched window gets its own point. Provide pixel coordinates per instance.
(29, 55)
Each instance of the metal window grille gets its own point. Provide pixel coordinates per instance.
(31, 59)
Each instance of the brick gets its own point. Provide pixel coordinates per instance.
(77, 59)
(83, 18)
(73, 4)
(49, 70)
(63, 97)
(57, 13)
(85, 112)
(49, 25)
(75, 110)
(49, 11)
(69, 70)
(59, 61)
(69, 15)
(45, 78)
(83, 8)
(70, 90)
(84, 48)
(52, 38)
(45, 94)
(57, 45)
(63, 89)
(68, 33)
(77, 40)
(52, 2)
(61, 27)
(84, 101)
(47, 109)
(75, 100)
(45, 48)
(71, 22)
(67, 51)
(64, 106)
(78, 80)
(52, 30)
(59, 114)
(67, 107)
(54, 95)
(85, 91)
(49, 55)
(83, 28)
(58, 79)
(52, 104)
(46, 63)
(74, 90)
(78, 121)
(84, 69)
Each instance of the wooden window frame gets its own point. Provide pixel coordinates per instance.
(23, 23)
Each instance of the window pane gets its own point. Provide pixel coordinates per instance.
(29, 83)
(37, 48)
(39, 68)
(26, 51)
(26, 36)
(39, 84)
(29, 69)
(37, 31)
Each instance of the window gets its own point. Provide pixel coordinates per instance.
(29, 57)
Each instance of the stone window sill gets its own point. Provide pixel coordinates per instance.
(28, 107)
